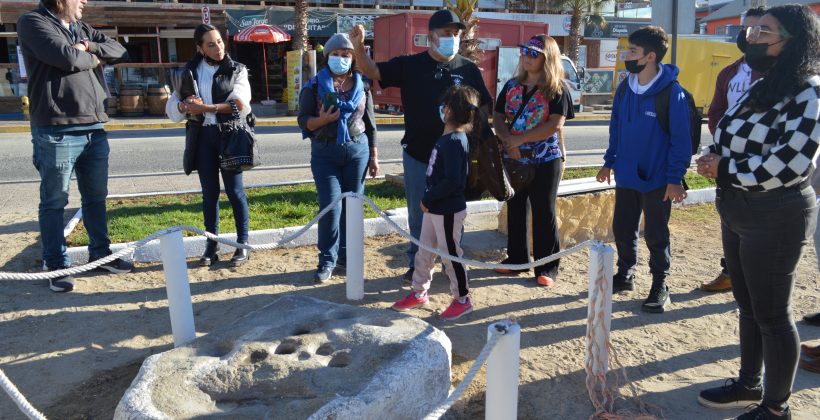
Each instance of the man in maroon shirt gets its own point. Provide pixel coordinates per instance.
(732, 82)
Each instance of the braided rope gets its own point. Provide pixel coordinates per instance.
(19, 399)
(131, 247)
(457, 393)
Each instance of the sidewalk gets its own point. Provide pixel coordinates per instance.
(154, 123)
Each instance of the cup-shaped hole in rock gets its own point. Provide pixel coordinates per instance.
(258, 356)
(301, 330)
(340, 360)
(345, 314)
(325, 349)
(286, 347)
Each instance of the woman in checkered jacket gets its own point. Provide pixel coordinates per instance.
(762, 160)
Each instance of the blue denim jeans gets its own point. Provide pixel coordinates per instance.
(207, 167)
(56, 156)
(336, 169)
(415, 181)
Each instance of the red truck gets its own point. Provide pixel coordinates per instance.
(406, 33)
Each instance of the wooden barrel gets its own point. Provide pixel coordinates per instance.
(132, 101)
(157, 97)
(111, 106)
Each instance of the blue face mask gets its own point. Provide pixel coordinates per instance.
(448, 45)
(441, 113)
(339, 65)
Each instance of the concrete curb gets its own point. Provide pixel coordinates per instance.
(23, 127)
(195, 246)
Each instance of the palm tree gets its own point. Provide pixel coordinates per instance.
(469, 43)
(300, 23)
(588, 11)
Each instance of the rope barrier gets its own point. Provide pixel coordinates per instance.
(276, 244)
(130, 248)
(496, 334)
(19, 399)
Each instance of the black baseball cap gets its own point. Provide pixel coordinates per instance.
(444, 18)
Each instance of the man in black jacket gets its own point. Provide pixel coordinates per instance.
(61, 55)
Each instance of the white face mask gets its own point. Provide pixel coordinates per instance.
(448, 46)
(339, 65)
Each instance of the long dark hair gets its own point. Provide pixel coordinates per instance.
(799, 60)
(201, 30)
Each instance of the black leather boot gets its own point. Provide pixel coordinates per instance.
(209, 256)
(240, 256)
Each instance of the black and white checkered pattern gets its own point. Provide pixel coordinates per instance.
(772, 149)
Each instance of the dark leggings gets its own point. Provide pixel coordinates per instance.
(542, 194)
(207, 166)
(764, 235)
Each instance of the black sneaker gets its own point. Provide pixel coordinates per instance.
(62, 284)
(759, 412)
(323, 275)
(732, 394)
(118, 266)
(623, 283)
(407, 277)
(657, 300)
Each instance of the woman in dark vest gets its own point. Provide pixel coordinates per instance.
(336, 113)
(221, 82)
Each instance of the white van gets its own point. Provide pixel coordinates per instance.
(573, 82)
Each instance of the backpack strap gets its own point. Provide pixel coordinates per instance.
(662, 106)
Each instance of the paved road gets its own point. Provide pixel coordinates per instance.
(157, 151)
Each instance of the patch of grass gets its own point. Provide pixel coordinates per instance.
(695, 215)
(270, 208)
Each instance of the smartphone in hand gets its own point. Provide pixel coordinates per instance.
(330, 100)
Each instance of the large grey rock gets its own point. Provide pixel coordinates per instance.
(298, 358)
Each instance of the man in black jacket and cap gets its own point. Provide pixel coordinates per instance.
(61, 55)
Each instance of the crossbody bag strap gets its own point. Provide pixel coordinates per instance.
(524, 101)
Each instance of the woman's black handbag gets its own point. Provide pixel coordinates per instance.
(240, 150)
(520, 174)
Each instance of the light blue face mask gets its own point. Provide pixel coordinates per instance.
(448, 45)
(339, 65)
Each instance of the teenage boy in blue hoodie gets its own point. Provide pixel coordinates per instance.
(649, 163)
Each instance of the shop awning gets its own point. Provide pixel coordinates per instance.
(262, 33)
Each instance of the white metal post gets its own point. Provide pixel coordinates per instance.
(179, 291)
(502, 373)
(600, 306)
(354, 225)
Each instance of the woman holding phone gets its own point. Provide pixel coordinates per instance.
(222, 84)
(336, 114)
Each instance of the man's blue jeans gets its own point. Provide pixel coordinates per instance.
(56, 156)
(415, 181)
(336, 169)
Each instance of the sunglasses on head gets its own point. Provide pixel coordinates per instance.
(529, 52)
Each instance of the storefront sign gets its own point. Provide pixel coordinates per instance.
(598, 81)
(608, 53)
(320, 23)
(345, 23)
(294, 78)
(612, 29)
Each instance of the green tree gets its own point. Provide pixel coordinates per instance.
(587, 11)
(469, 43)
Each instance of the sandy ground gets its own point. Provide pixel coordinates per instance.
(73, 355)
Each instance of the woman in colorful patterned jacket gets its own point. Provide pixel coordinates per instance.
(529, 113)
